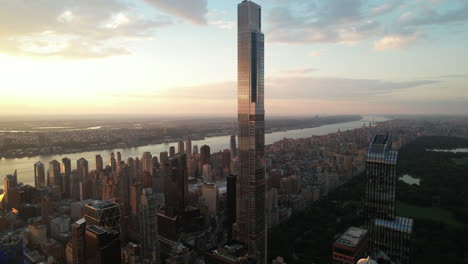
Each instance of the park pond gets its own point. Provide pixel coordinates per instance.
(410, 179)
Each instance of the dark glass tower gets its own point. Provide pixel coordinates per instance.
(250, 220)
(389, 233)
(381, 179)
(66, 170)
(39, 175)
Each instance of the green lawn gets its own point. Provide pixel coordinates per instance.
(430, 213)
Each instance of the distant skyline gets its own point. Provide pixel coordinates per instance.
(163, 57)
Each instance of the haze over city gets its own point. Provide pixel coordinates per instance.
(143, 57)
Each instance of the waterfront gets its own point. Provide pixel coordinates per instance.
(25, 166)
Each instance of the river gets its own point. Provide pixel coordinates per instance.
(25, 166)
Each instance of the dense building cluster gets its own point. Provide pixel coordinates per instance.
(176, 207)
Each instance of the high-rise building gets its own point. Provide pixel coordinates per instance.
(147, 163)
(381, 179)
(188, 146)
(119, 156)
(66, 171)
(233, 146)
(155, 163)
(138, 169)
(175, 184)
(210, 194)
(46, 211)
(11, 249)
(191, 166)
(133, 171)
(180, 147)
(350, 246)
(134, 198)
(77, 242)
(113, 162)
(195, 149)
(53, 174)
(250, 226)
(148, 224)
(393, 238)
(75, 185)
(99, 163)
(102, 245)
(171, 151)
(82, 168)
(205, 155)
(102, 213)
(230, 204)
(9, 182)
(163, 158)
(146, 179)
(123, 172)
(206, 173)
(389, 234)
(226, 161)
(39, 175)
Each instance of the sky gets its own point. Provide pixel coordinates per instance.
(166, 57)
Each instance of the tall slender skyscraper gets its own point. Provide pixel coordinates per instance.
(82, 168)
(148, 224)
(39, 175)
(381, 179)
(188, 145)
(233, 146)
(77, 241)
(389, 233)
(53, 174)
(180, 147)
(147, 163)
(99, 163)
(250, 225)
(205, 155)
(66, 170)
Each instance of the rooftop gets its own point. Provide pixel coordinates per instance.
(96, 229)
(351, 237)
(380, 144)
(400, 224)
(100, 204)
(81, 221)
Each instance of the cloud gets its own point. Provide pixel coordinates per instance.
(217, 19)
(194, 11)
(330, 21)
(299, 71)
(453, 76)
(295, 82)
(72, 29)
(335, 88)
(431, 15)
(297, 95)
(395, 23)
(384, 8)
(395, 42)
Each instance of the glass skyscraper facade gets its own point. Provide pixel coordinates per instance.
(250, 192)
(381, 179)
(389, 233)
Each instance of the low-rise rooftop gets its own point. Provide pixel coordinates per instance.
(351, 237)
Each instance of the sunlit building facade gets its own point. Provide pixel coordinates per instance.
(250, 225)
